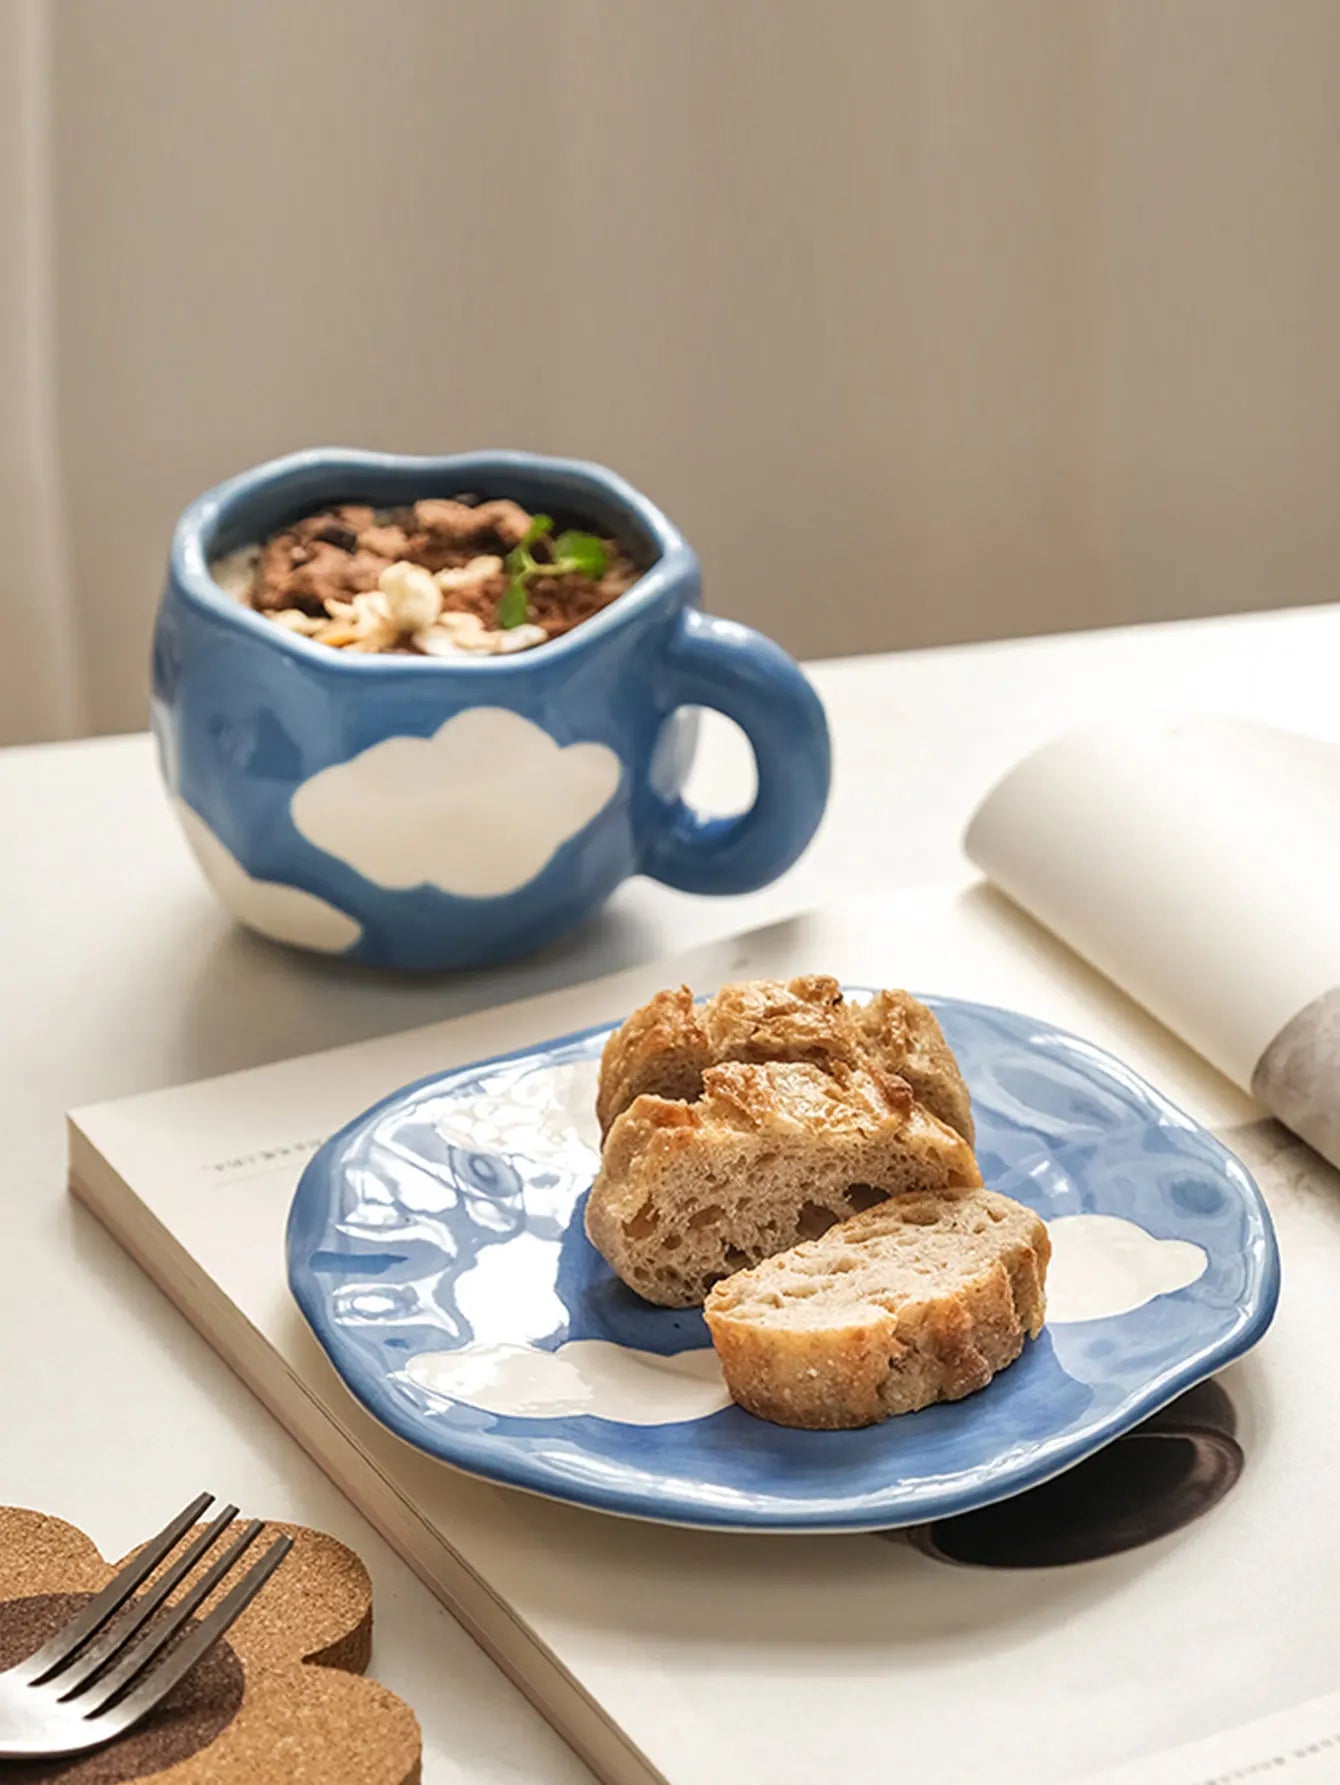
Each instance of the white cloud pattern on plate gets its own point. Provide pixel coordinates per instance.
(476, 810)
(593, 1376)
(1104, 1265)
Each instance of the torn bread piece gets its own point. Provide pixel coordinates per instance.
(769, 1155)
(922, 1299)
(665, 1047)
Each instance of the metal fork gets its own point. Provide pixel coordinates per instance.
(93, 1680)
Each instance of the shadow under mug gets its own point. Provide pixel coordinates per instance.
(428, 813)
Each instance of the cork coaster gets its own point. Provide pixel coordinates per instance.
(280, 1699)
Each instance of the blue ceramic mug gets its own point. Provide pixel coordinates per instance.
(429, 813)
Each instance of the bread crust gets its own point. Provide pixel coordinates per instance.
(666, 1046)
(901, 1035)
(844, 1331)
(662, 1047)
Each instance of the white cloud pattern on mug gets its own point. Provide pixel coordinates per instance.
(284, 913)
(477, 810)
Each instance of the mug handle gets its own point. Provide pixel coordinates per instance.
(736, 671)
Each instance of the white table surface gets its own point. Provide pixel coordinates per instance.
(118, 974)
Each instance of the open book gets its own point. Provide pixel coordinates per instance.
(695, 1656)
(1196, 862)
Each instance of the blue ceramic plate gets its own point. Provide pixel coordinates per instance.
(436, 1247)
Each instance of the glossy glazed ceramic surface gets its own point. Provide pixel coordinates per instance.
(423, 813)
(436, 1248)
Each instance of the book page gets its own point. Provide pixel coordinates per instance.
(1299, 1746)
(1195, 861)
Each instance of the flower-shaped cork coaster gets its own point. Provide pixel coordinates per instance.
(279, 1699)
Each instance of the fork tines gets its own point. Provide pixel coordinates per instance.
(96, 1665)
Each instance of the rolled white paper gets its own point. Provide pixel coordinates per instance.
(1196, 861)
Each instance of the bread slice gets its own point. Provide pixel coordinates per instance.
(769, 1155)
(921, 1299)
(665, 1047)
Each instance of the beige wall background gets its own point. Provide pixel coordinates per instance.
(928, 320)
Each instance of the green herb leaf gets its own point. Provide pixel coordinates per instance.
(581, 552)
(517, 561)
(513, 609)
(539, 526)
